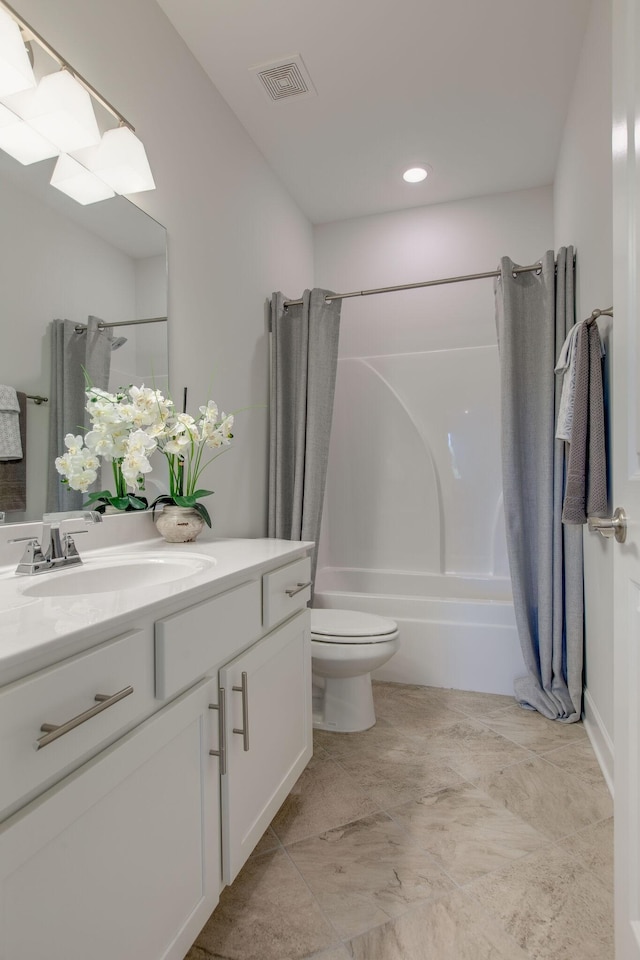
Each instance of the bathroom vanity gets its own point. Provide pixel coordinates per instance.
(190, 720)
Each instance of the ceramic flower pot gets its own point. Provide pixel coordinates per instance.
(179, 524)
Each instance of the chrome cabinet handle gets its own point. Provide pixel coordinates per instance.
(244, 731)
(221, 707)
(53, 730)
(299, 587)
(615, 526)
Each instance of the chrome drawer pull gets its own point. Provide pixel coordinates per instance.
(52, 730)
(244, 690)
(299, 587)
(222, 729)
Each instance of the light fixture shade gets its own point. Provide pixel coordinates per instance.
(15, 69)
(60, 109)
(121, 161)
(77, 182)
(20, 141)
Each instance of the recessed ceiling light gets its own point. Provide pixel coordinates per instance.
(415, 174)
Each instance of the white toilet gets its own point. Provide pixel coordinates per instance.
(346, 646)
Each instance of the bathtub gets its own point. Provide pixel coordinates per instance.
(455, 630)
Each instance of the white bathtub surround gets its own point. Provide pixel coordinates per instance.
(454, 631)
(414, 525)
(534, 317)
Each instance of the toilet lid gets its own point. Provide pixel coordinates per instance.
(351, 626)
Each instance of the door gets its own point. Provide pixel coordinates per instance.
(626, 471)
(268, 735)
(121, 859)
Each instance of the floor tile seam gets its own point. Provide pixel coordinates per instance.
(576, 776)
(345, 762)
(381, 807)
(486, 727)
(411, 908)
(530, 855)
(532, 750)
(426, 852)
(337, 826)
(506, 766)
(575, 741)
(588, 782)
(316, 901)
(461, 884)
(503, 807)
(440, 725)
(476, 716)
(584, 828)
(389, 919)
(547, 837)
(527, 754)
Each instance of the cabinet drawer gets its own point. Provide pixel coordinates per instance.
(69, 692)
(282, 594)
(190, 643)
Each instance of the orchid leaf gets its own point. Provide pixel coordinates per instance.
(204, 513)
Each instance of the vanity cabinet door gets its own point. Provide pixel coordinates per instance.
(122, 858)
(268, 735)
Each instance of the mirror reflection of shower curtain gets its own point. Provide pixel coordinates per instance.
(304, 358)
(534, 313)
(71, 353)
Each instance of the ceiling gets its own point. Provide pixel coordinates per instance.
(477, 90)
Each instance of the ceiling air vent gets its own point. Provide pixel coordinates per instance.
(284, 79)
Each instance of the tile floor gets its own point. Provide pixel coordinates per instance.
(460, 827)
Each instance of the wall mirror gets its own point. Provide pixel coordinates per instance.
(61, 260)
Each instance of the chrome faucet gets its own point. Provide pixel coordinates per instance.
(56, 547)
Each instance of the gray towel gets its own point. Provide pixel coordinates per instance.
(10, 446)
(13, 473)
(586, 489)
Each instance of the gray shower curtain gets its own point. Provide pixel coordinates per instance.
(534, 313)
(304, 356)
(70, 353)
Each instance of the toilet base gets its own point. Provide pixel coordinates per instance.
(343, 704)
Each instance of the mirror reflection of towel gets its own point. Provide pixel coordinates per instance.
(13, 473)
(10, 445)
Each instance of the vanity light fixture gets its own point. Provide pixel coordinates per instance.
(120, 161)
(15, 69)
(77, 182)
(21, 142)
(415, 174)
(60, 111)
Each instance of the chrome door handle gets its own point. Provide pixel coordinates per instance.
(299, 587)
(222, 729)
(244, 730)
(52, 730)
(616, 526)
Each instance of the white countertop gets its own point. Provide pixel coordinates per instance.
(38, 631)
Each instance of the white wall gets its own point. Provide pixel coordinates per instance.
(234, 234)
(414, 469)
(583, 216)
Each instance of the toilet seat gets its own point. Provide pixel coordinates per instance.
(351, 626)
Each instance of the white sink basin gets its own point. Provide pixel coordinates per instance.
(107, 575)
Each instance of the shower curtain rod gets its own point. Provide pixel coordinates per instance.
(414, 286)
(123, 323)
